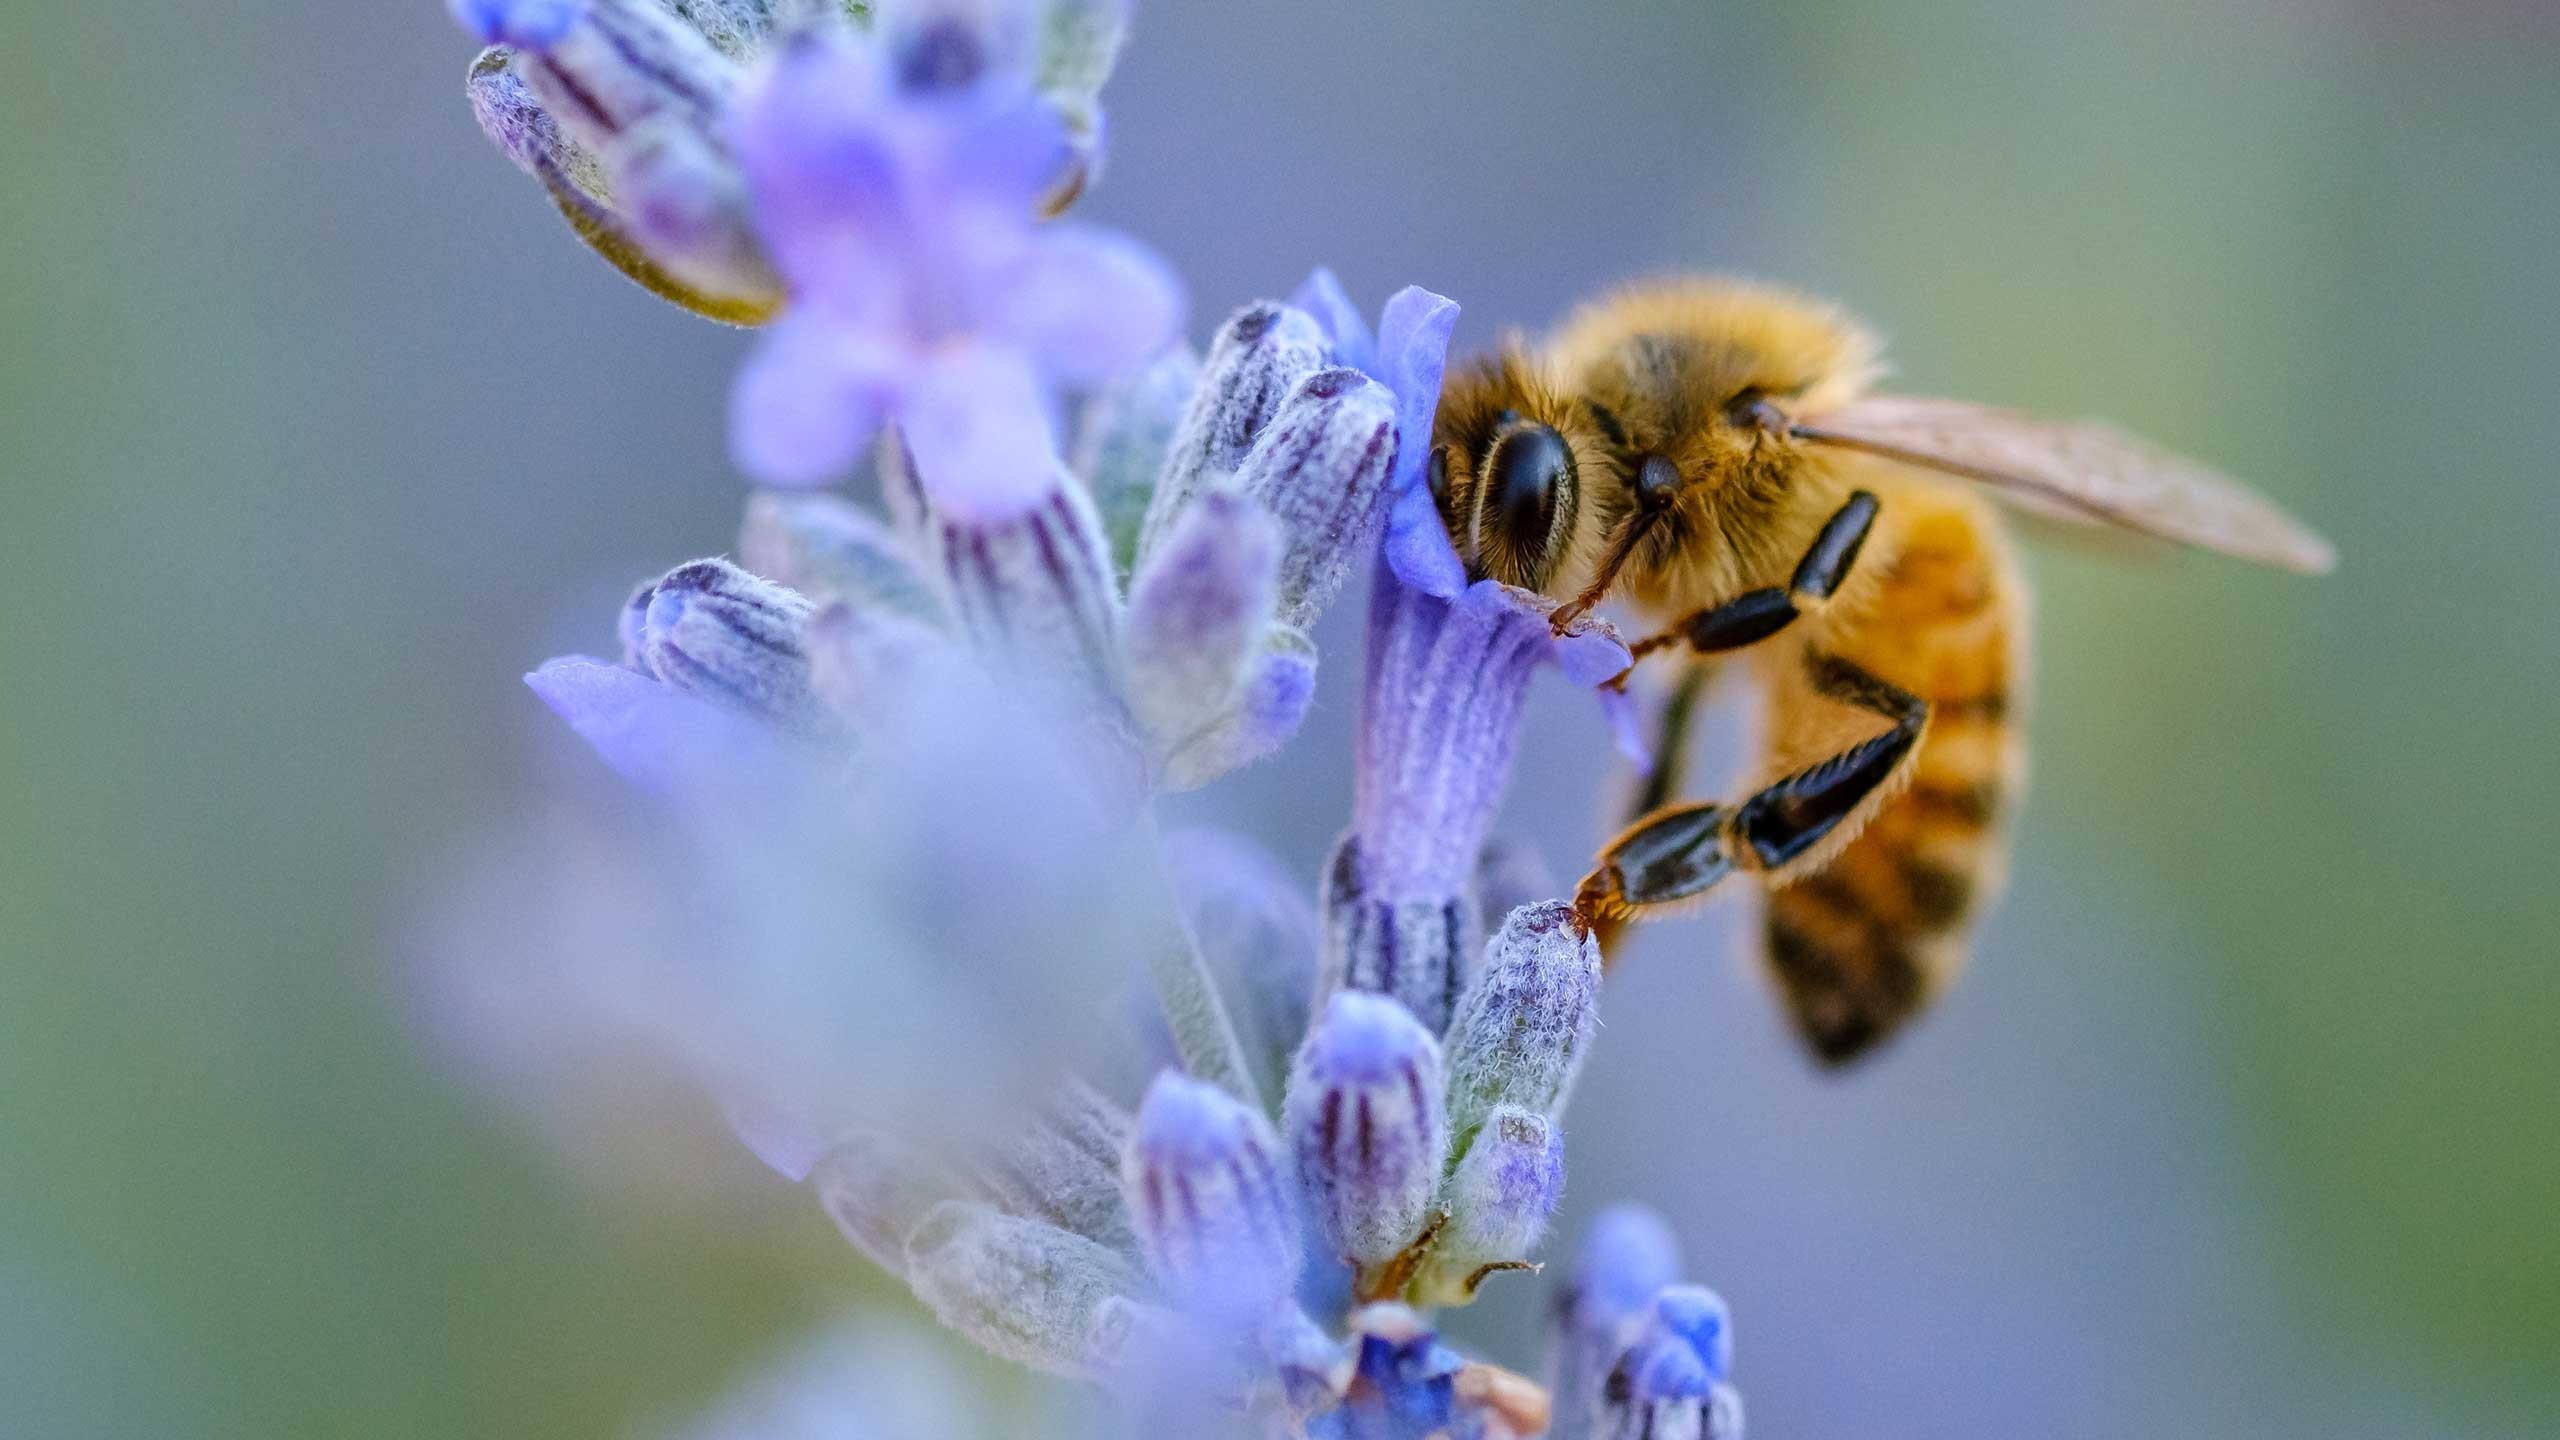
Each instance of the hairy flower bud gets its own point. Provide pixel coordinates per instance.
(1499, 1200)
(617, 107)
(1322, 466)
(1205, 1187)
(1279, 685)
(1199, 605)
(1063, 1168)
(1025, 1291)
(1255, 362)
(1520, 1031)
(1365, 1122)
(713, 630)
(1121, 443)
(828, 548)
(1420, 950)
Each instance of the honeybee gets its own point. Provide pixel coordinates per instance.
(1711, 452)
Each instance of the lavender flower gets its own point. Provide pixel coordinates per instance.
(898, 197)
(1634, 1354)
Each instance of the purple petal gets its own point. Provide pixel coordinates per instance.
(1323, 297)
(1089, 303)
(808, 401)
(1626, 731)
(525, 24)
(651, 735)
(977, 421)
(1417, 545)
(815, 143)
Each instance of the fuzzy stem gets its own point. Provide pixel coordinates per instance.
(1203, 1035)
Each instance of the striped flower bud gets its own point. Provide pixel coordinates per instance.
(1206, 1190)
(1199, 605)
(1421, 950)
(1364, 1120)
(1520, 1031)
(1322, 466)
(1500, 1200)
(1254, 364)
(713, 630)
(617, 107)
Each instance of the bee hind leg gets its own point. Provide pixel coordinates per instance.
(1679, 852)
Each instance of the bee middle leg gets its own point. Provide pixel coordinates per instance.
(1681, 851)
(1755, 615)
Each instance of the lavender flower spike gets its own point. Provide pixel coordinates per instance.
(1364, 1117)
(1520, 1033)
(1203, 1180)
(1499, 1203)
(899, 201)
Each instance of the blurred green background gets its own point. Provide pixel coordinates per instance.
(316, 430)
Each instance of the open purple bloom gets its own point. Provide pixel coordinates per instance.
(899, 201)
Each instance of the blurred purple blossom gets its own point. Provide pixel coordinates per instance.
(900, 204)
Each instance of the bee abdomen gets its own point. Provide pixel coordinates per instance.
(1866, 941)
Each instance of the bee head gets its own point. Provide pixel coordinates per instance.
(1514, 463)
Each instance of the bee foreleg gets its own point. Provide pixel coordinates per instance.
(1682, 851)
(1755, 615)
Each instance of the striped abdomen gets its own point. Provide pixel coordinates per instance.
(1858, 943)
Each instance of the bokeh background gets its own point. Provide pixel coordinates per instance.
(316, 429)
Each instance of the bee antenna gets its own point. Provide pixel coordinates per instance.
(1657, 485)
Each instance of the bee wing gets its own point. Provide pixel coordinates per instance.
(2086, 470)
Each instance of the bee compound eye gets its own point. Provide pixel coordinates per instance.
(1528, 473)
(1439, 474)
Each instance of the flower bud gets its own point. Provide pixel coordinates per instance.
(1519, 1033)
(1025, 1291)
(1421, 951)
(828, 548)
(1206, 1192)
(1279, 684)
(1500, 1200)
(616, 106)
(686, 205)
(1253, 365)
(1364, 1120)
(1123, 439)
(1199, 605)
(1322, 466)
(1063, 1168)
(713, 630)
(1036, 586)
